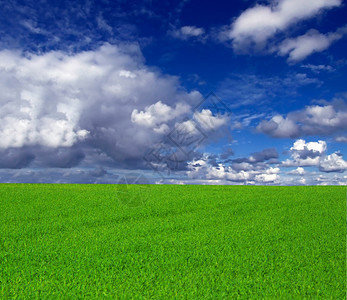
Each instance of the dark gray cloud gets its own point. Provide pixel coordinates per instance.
(257, 157)
(227, 152)
(94, 175)
(16, 158)
(59, 157)
(264, 155)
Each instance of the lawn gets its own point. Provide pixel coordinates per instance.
(178, 241)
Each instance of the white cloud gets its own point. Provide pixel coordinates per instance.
(127, 74)
(158, 113)
(302, 180)
(241, 176)
(187, 32)
(305, 154)
(279, 127)
(313, 120)
(272, 170)
(317, 148)
(267, 178)
(162, 129)
(251, 174)
(314, 154)
(208, 121)
(302, 46)
(333, 163)
(192, 31)
(187, 128)
(257, 24)
(57, 99)
(330, 180)
(318, 68)
(298, 171)
(341, 139)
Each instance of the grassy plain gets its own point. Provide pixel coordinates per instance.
(192, 242)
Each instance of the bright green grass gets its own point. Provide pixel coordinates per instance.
(192, 242)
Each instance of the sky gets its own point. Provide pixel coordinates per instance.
(177, 92)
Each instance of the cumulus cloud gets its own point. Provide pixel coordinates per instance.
(314, 154)
(104, 99)
(188, 32)
(156, 115)
(256, 163)
(302, 46)
(305, 154)
(208, 121)
(327, 119)
(279, 127)
(310, 149)
(204, 171)
(267, 178)
(244, 170)
(330, 180)
(256, 25)
(333, 163)
(298, 171)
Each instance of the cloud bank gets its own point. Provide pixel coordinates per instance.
(56, 107)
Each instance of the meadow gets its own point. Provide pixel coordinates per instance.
(60, 241)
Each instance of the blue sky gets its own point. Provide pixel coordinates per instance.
(96, 90)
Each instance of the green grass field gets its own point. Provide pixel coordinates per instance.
(192, 242)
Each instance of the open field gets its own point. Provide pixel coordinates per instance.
(205, 242)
